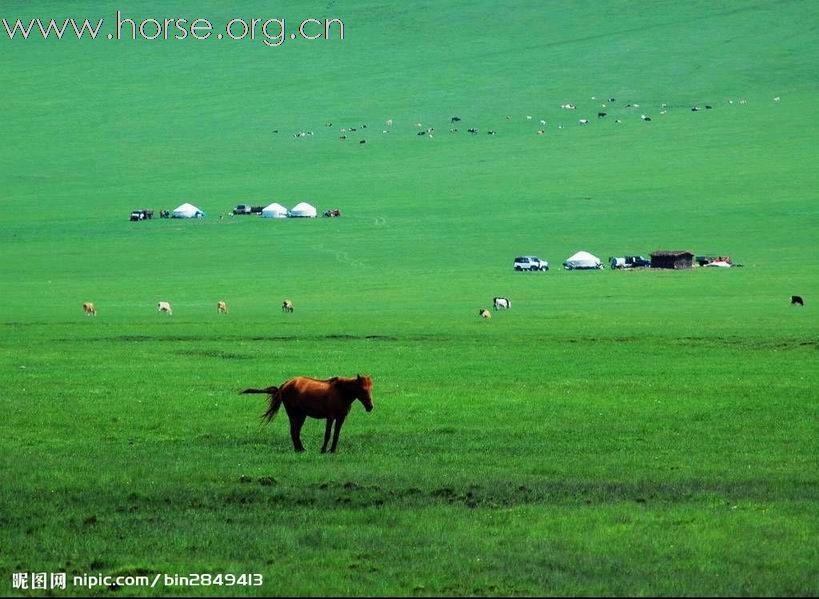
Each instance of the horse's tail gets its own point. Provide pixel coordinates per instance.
(275, 401)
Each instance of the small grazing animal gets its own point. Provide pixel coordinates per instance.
(164, 307)
(501, 303)
(797, 300)
(221, 307)
(484, 313)
(287, 306)
(89, 309)
(329, 400)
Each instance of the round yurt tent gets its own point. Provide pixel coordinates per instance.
(274, 210)
(582, 260)
(187, 211)
(303, 210)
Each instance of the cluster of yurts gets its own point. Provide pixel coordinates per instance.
(274, 210)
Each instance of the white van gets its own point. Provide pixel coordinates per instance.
(531, 263)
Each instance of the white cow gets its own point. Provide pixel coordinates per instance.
(164, 307)
(501, 303)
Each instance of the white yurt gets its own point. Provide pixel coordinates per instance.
(582, 260)
(187, 211)
(303, 210)
(274, 210)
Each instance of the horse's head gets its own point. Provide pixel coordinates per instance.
(364, 388)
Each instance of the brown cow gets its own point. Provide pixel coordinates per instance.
(89, 309)
(329, 400)
(221, 307)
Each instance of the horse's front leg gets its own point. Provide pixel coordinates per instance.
(339, 423)
(327, 430)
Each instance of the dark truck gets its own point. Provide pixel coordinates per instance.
(617, 262)
(245, 209)
(137, 215)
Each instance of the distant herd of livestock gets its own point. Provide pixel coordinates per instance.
(165, 307)
(498, 303)
(602, 107)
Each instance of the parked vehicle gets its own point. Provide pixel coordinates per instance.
(530, 263)
(143, 214)
(708, 260)
(629, 262)
(247, 209)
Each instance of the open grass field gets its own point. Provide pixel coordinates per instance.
(622, 433)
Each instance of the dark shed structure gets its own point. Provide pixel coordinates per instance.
(675, 259)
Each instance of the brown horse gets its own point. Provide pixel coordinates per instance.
(329, 400)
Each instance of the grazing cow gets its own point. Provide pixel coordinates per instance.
(287, 306)
(453, 130)
(542, 122)
(164, 307)
(501, 303)
(708, 107)
(389, 123)
(777, 99)
(612, 100)
(540, 132)
(353, 129)
(473, 131)
(797, 300)
(583, 121)
(695, 109)
(484, 313)
(455, 119)
(421, 133)
(221, 307)
(89, 309)
(568, 106)
(600, 115)
(363, 141)
(528, 117)
(490, 132)
(329, 400)
(342, 137)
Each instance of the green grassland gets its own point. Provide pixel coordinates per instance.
(625, 433)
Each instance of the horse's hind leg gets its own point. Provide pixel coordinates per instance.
(296, 422)
(327, 430)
